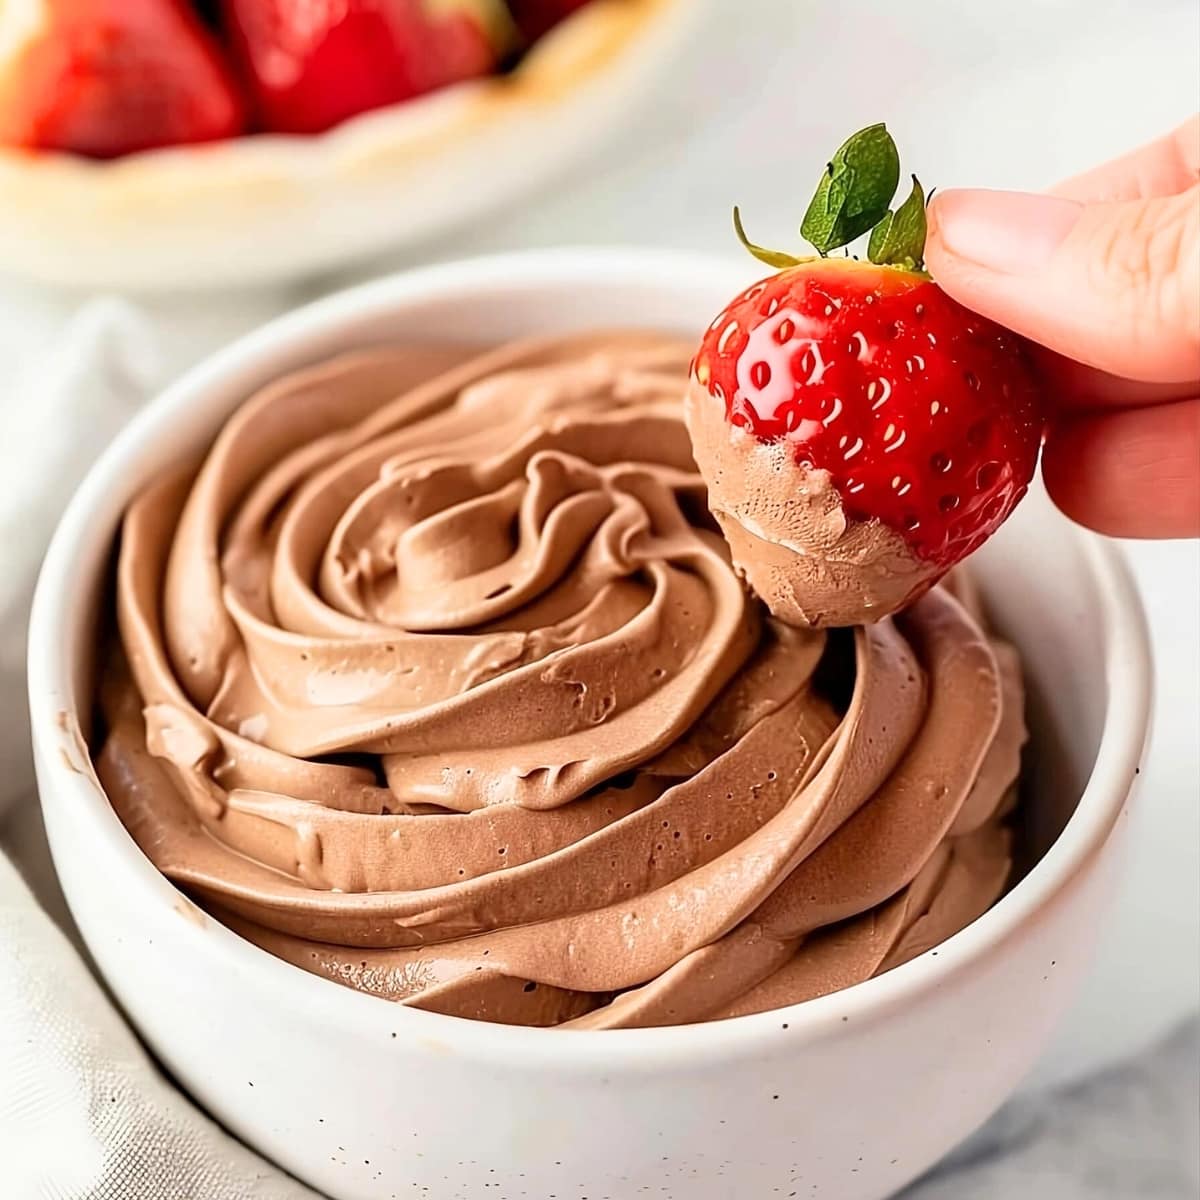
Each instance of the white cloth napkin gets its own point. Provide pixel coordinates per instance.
(84, 1112)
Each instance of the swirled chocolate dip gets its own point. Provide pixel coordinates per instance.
(437, 681)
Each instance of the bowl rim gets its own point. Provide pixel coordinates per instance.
(1127, 672)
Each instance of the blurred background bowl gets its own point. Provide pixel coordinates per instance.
(269, 208)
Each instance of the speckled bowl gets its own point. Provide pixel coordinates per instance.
(846, 1097)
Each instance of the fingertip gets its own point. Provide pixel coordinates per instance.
(959, 276)
(1113, 286)
(990, 251)
(944, 263)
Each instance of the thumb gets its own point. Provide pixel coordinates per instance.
(1113, 285)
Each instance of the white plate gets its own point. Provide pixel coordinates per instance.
(267, 208)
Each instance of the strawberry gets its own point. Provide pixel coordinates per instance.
(537, 17)
(109, 77)
(924, 415)
(311, 64)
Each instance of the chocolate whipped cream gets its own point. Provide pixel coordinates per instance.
(790, 537)
(438, 681)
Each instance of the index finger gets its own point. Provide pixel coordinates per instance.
(1164, 167)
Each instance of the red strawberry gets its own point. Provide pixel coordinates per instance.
(924, 415)
(108, 77)
(536, 17)
(314, 63)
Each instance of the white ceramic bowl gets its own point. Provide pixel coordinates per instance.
(846, 1097)
(264, 208)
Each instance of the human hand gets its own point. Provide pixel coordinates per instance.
(1103, 276)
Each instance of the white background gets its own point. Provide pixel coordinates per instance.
(1011, 94)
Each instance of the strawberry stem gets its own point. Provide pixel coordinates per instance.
(855, 190)
(853, 198)
(773, 258)
(899, 239)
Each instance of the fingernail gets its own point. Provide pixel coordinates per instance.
(1013, 232)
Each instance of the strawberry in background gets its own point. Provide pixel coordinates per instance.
(536, 17)
(311, 64)
(110, 77)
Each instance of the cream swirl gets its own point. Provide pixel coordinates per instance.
(440, 684)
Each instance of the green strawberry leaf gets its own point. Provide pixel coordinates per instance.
(773, 258)
(855, 191)
(899, 239)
